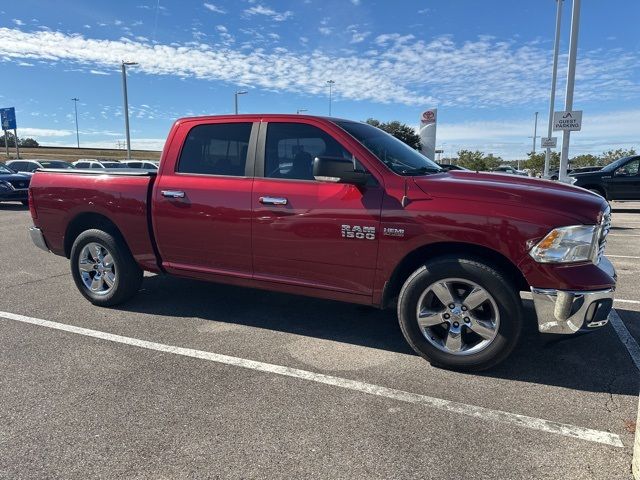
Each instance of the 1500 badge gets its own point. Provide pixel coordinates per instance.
(356, 231)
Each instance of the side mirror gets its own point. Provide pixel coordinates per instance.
(338, 170)
(621, 172)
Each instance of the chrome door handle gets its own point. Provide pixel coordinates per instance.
(273, 200)
(172, 193)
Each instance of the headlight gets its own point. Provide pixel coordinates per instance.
(566, 244)
(4, 185)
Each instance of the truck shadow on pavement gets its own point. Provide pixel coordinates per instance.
(13, 207)
(595, 361)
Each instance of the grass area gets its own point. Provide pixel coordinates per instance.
(72, 154)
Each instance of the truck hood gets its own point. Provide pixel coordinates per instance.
(545, 195)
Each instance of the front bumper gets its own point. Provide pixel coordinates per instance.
(38, 239)
(566, 311)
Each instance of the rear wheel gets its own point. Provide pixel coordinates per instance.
(103, 269)
(460, 313)
(597, 191)
(25, 203)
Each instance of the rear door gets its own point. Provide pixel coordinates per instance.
(306, 232)
(202, 202)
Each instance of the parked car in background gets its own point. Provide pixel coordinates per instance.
(101, 164)
(449, 167)
(619, 180)
(14, 186)
(510, 170)
(341, 210)
(141, 164)
(30, 166)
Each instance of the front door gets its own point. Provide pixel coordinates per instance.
(202, 209)
(306, 232)
(624, 183)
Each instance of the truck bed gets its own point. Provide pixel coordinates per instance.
(66, 199)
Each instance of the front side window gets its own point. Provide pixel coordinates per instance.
(216, 149)
(396, 155)
(82, 165)
(291, 148)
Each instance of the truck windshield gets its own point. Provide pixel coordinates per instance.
(395, 154)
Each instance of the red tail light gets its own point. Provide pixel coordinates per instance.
(32, 205)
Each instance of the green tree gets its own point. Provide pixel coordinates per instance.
(477, 160)
(11, 140)
(586, 160)
(613, 155)
(28, 143)
(535, 162)
(401, 131)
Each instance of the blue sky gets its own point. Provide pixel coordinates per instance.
(485, 65)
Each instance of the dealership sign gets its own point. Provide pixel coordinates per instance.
(571, 121)
(549, 142)
(8, 118)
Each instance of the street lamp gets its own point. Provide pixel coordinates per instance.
(75, 104)
(126, 105)
(239, 92)
(301, 110)
(330, 83)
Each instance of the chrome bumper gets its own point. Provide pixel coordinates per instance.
(38, 239)
(566, 312)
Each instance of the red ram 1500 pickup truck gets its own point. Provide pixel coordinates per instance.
(340, 210)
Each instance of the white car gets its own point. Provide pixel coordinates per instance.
(30, 166)
(141, 164)
(86, 163)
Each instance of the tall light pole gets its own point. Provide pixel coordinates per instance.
(554, 74)
(75, 104)
(571, 79)
(239, 92)
(330, 83)
(535, 133)
(126, 105)
(301, 110)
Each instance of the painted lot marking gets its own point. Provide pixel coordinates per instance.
(623, 235)
(480, 413)
(621, 256)
(625, 337)
(626, 301)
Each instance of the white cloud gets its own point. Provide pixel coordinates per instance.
(213, 8)
(98, 72)
(43, 132)
(325, 30)
(474, 74)
(355, 2)
(269, 12)
(18, 22)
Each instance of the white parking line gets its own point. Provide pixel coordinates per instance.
(481, 413)
(621, 256)
(623, 235)
(625, 337)
(626, 301)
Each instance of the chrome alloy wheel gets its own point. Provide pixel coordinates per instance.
(458, 316)
(97, 268)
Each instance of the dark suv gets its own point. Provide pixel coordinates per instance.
(14, 186)
(619, 180)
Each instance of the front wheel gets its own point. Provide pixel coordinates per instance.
(460, 313)
(103, 268)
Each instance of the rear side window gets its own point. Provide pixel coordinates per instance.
(291, 148)
(216, 149)
(82, 165)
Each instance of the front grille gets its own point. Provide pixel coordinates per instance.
(605, 226)
(19, 184)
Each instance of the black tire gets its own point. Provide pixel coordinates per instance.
(493, 281)
(128, 277)
(25, 203)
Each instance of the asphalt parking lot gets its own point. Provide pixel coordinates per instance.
(195, 380)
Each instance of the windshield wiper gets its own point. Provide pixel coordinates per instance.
(420, 171)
